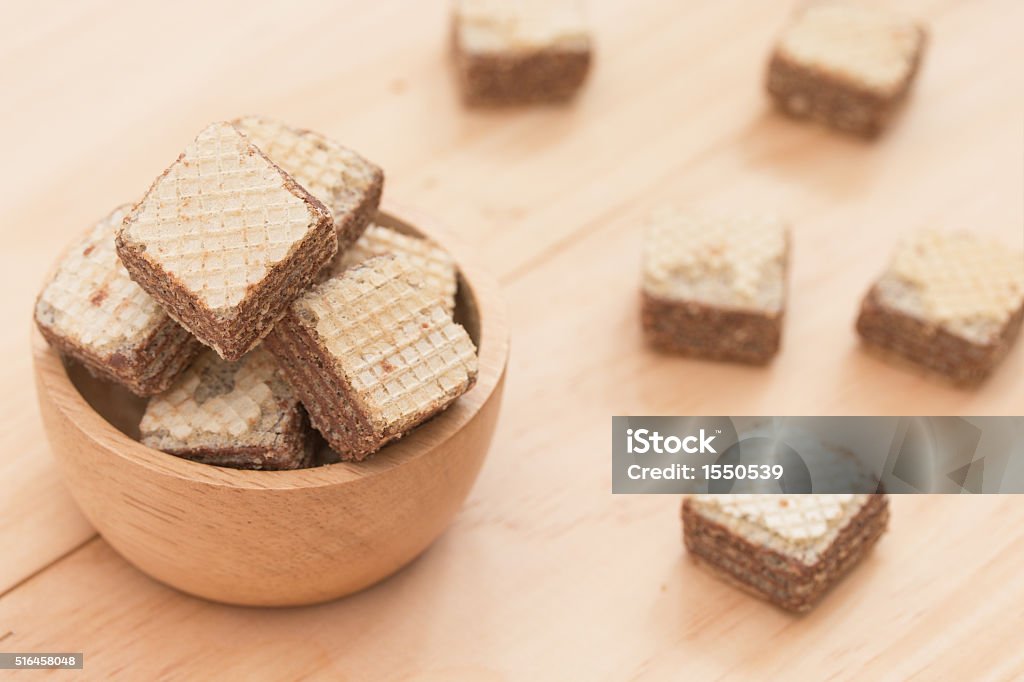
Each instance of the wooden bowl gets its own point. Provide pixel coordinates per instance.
(275, 537)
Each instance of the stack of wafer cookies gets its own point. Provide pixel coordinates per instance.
(227, 247)
(238, 414)
(91, 310)
(788, 549)
(385, 343)
(714, 284)
(520, 51)
(846, 64)
(951, 303)
(224, 239)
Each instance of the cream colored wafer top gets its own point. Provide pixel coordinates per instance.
(215, 402)
(432, 263)
(968, 284)
(393, 339)
(500, 25)
(220, 217)
(729, 260)
(797, 525)
(864, 45)
(334, 174)
(91, 300)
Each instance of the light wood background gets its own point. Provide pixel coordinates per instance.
(544, 575)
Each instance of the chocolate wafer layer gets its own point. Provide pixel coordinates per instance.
(520, 52)
(950, 303)
(788, 549)
(845, 64)
(372, 354)
(93, 311)
(433, 264)
(714, 286)
(345, 182)
(224, 240)
(233, 414)
(708, 332)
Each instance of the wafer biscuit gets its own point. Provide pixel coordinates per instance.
(520, 51)
(234, 414)
(224, 240)
(435, 267)
(845, 64)
(788, 549)
(949, 302)
(714, 285)
(372, 354)
(346, 183)
(92, 310)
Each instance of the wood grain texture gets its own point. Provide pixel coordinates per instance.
(544, 575)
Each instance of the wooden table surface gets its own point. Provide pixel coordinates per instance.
(544, 574)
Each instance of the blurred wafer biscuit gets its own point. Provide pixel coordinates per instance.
(92, 310)
(845, 63)
(234, 414)
(520, 51)
(714, 284)
(788, 549)
(372, 354)
(434, 265)
(224, 240)
(345, 182)
(950, 302)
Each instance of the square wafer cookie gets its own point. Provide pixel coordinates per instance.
(435, 267)
(520, 51)
(91, 310)
(345, 182)
(372, 354)
(787, 549)
(224, 240)
(949, 302)
(238, 414)
(845, 64)
(714, 285)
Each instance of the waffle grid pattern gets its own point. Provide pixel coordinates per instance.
(398, 347)
(220, 217)
(335, 175)
(732, 260)
(863, 45)
(968, 284)
(433, 264)
(240, 402)
(801, 526)
(92, 300)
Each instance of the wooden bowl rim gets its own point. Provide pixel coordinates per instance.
(480, 288)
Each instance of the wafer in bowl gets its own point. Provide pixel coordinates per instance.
(277, 537)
